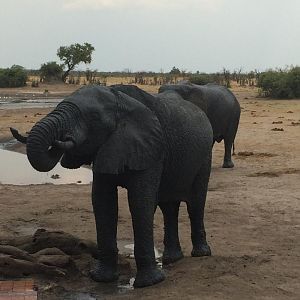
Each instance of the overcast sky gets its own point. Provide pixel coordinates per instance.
(145, 35)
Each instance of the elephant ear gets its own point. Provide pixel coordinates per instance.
(137, 142)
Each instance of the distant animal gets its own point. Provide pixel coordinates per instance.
(157, 147)
(221, 107)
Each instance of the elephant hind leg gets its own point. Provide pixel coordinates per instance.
(172, 250)
(195, 206)
(228, 163)
(229, 144)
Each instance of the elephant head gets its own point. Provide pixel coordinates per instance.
(187, 91)
(96, 125)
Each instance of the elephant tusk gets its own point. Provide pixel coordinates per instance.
(18, 136)
(67, 145)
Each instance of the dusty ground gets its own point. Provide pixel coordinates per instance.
(252, 215)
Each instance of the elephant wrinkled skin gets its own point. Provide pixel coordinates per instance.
(158, 148)
(221, 107)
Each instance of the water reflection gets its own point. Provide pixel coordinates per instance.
(16, 169)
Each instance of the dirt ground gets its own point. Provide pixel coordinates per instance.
(252, 215)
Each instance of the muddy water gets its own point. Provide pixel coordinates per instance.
(16, 169)
(32, 103)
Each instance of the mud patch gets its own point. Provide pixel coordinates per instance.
(274, 173)
(264, 174)
(295, 124)
(255, 154)
(277, 129)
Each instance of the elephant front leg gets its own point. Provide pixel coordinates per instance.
(105, 205)
(172, 250)
(142, 199)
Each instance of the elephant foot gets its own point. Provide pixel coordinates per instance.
(148, 277)
(103, 273)
(171, 256)
(202, 250)
(228, 164)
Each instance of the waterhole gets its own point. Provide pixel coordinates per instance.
(16, 169)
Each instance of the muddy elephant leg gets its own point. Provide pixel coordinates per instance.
(228, 142)
(172, 250)
(195, 206)
(142, 197)
(105, 205)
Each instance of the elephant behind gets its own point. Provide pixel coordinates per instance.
(221, 107)
(158, 148)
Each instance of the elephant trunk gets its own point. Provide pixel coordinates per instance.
(44, 145)
(41, 153)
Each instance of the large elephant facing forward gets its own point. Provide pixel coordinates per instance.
(221, 107)
(158, 148)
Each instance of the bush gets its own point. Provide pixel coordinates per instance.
(280, 84)
(51, 71)
(13, 77)
(201, 79)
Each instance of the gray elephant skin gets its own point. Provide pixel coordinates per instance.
(157, 147)
(221, 107)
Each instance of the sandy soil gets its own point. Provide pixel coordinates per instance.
(252, 215)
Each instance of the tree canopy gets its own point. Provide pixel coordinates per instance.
(51, 71)
(15, 76)
(280, 84)
(73, 55)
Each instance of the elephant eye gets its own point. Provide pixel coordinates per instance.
(49, 148)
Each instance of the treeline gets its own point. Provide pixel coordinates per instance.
(281, 84)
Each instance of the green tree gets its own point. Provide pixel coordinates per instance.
(73, 55)
(51, 71)
(280, 84)
(200, 78)
(175, 71)
(15, 76)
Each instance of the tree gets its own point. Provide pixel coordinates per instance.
(15, 76)
(73, 55)
(51, 71)
(175, 71)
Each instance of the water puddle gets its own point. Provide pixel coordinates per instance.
(128, 249)
(8, 103)
(9, 144)
(16, 169)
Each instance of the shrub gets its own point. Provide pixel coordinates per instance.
(280, 84)
(201, 78)
(13, 77)
(51, 71)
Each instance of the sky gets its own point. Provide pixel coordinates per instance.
(154, 35)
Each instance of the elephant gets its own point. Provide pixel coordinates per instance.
(221, 107)
(149, 145)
